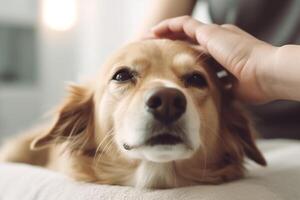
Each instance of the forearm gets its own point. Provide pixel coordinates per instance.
(163, 9)
(282, 78)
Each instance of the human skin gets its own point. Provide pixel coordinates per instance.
(159, 10)
(264, 72)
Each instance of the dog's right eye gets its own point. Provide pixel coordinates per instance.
(123, 75)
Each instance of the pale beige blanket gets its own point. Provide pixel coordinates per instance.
(279, 181)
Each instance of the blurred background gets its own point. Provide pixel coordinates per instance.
(46, 43)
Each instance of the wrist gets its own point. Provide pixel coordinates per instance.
(267, 79)
(280, 77)
(286, 72)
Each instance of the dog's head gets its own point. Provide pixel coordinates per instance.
(158, 102)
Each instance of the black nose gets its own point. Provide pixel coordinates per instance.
(166, 104)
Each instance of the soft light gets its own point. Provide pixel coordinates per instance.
(59, 15)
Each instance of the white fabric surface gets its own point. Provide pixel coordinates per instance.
(279, 181)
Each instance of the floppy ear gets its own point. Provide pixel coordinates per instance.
(75, 120)
(234, 118)
(239, 126)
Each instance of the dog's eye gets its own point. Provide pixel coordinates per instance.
(123, 75)
(195, 79)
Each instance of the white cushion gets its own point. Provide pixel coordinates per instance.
(279, 181)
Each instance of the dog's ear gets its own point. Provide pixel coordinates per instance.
(238, 125)
(75, 120)
(233, 118)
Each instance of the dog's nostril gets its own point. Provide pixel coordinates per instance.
(179, 102)
(154, 102)
(166, 104)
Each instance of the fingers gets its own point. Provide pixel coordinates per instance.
(148, 35)
(228, 44)
(177, 26)
(236, 29)
(167, 26)
(232, 47)
(207, 33)
(187, 28)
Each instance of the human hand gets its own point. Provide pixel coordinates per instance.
(246, 57)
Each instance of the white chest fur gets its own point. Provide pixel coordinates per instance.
(155, 175)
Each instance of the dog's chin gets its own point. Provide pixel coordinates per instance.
(161, 153)
(163, 145)
(166, 153)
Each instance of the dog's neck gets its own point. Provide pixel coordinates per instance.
(172, 174)
(155, 175)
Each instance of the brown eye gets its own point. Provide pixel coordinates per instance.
(123, 75)
(195, 80)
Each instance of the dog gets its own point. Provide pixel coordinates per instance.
(156, 116)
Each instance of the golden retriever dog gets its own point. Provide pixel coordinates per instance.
(156, 116)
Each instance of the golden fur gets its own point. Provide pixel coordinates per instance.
(81, 141)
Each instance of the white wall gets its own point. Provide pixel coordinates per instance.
(58, 63)
(105, 26)
(18, 11)
(19, 105)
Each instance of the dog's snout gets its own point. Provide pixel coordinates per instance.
(166, 104)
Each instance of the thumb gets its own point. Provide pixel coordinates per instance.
(231, 49)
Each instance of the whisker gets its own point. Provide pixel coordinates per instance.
(219, 136)
(175, 177)
(204, 163)
(104, 149)
(106, 137)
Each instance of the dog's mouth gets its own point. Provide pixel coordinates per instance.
(164, 139)
(160, 139)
